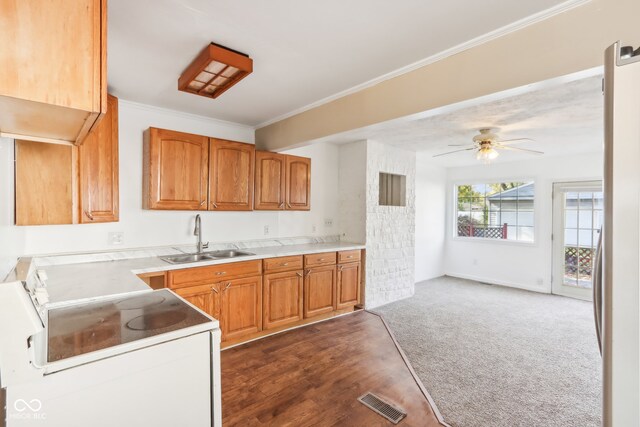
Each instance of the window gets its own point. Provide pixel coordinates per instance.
(502, 210)
(393, 190)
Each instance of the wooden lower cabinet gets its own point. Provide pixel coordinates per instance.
(348, 287)
(282, 299)
(205, 297)
(319, 290)
(240, 307)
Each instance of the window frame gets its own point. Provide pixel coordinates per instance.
(454, 216)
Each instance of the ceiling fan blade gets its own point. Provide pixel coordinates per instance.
(520, 149)
(513, 141)
(455, 151)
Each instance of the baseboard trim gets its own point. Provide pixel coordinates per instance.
(498, 282)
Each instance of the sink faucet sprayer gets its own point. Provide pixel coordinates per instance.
(197, 231)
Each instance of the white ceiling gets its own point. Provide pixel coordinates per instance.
(561, 118)
(303, 50)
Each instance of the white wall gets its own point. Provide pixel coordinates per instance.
(12, 239)
(390, 266)
(352, 173)
(156, 228)
(431, 196)
(521, 265)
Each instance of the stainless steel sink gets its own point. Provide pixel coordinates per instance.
(182, 259)
(229, 253)
(205, 256)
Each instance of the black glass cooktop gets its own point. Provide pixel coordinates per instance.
(85, 328)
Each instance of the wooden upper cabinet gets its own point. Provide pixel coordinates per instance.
(270, 181)
(230, 175)
(98, 169)
(176, 170)
(298, 183)
(53, 84)
(45, 183)
(282, 182)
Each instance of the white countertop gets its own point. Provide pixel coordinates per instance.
(80, 281)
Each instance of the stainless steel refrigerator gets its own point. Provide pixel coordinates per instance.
(616, 296)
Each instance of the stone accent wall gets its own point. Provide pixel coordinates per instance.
(390, 230)
(387, 231)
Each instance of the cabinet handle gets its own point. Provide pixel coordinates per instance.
(350, 256)
(227, 287)
(306, 273)
(289, 205)
(213, 288)
(321, 259)
(89, 215)
(299, 274)
(340, 268)
(214, 205)
(281, 206)
(203, 202)
(284, 264)
(220, 273)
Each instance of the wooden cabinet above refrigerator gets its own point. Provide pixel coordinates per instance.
(53, 84)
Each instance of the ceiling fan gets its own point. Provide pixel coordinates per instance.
(486, 144)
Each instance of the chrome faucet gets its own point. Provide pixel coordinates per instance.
(198, 232)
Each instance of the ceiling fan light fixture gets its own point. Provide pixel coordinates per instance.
(214, 71)
(486, 154)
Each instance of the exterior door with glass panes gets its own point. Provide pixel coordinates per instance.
(577, 219)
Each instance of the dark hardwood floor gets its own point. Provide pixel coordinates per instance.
(312, 376)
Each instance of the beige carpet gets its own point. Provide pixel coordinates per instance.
(496, 356)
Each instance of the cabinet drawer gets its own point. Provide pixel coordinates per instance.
(325, 258)
(283, 263)
(213, 274)
(348, 256)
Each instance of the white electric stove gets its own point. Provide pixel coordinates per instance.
(146, 359)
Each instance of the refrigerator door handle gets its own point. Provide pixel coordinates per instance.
(597, 291)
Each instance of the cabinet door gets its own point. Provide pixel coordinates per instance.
(348, 285)
(319, 290)
(282, 299)
(45, 183)
(205, 297)
(298, 183)
(230, 175)
(98, 169)
(53, 59)
(176, 170)
(270, 181)
(241, 308)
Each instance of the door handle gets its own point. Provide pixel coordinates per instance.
(597, 291)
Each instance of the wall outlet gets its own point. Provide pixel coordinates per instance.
(328, 222)
(266, 230)
(116, 238)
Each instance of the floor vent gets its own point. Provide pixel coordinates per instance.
(383, 408)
